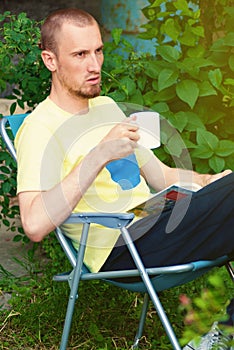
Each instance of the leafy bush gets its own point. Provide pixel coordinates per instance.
(22, 71)
(189, 81)
(8, 211)
(22, 68)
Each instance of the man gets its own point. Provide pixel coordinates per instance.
(63, 148)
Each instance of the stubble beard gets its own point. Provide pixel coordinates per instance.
(80, 92)
(92, 92)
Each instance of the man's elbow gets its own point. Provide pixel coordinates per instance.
(33, 231)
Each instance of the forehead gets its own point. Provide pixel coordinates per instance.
(73, 37)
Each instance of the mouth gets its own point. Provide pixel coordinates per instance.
(94, 80)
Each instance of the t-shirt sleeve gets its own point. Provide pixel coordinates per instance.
(143, 155)
(39, 158)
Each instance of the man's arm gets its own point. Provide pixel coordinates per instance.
(41, 212)
(159, 176)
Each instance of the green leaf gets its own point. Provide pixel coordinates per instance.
(166, 78)
(229, 39)
(141, 82)
(175, 145)
(189, 144)
(231, 62)
(27, 240)
(3, 85)
(198, 30)
(202, 151)
(137, 98)
(182, 5)
(179, 120)
(128, 85)
(152, 69)
(116, 35)
(17, 238)
(215, 77)
(160, 107)
(200, 303)
(188, 91)
(229, 163)
(117, 95)
(6, 222)
(217, 164)
(207, 139)
(157, 3)
(21, 103)
(202, 166)
(216, 281)
(3, 177)
(13, 107)
(206, 89)
(5, 169)
(168, 53)
(213, 116)
(20, 230)
(192, 65)
(172, 29)
(229, 81)
(164, 95)
(194, 122)
(6, 60)
(188, 38)
(225, 148)
(149, 97)
(6, 187)
(197, 51)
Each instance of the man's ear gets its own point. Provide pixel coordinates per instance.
(49, 60)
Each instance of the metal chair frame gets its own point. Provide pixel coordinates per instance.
(152, 280)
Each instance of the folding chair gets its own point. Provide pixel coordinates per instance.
(152, 280)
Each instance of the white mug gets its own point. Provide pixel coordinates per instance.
(149, 128)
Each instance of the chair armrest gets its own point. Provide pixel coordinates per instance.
(111, 220)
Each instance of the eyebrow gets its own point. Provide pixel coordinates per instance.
(78, 51)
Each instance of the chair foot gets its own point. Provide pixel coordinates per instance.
(230, 270)
(135, 344)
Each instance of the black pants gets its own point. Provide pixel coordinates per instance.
(200, 229)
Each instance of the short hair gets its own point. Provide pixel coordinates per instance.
(53, 24)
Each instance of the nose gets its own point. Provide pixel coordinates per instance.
(95, 63)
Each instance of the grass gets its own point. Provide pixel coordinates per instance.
(106, 318)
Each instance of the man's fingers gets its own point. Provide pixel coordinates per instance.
(218, 176)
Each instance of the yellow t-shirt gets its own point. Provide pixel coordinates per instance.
(52, 141)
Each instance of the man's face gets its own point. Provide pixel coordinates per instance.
(79, 60)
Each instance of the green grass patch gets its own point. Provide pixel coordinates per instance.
(105, 317)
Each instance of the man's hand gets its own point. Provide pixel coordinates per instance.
(208, 179)
(121, 140)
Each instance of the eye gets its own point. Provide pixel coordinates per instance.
(81, 54)
(99, 50)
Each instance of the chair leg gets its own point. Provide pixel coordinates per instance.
(141, 322)
(69, 314)
(230, 270)
(75, 279)
(152, 293)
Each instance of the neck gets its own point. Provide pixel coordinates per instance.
(69, 103)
